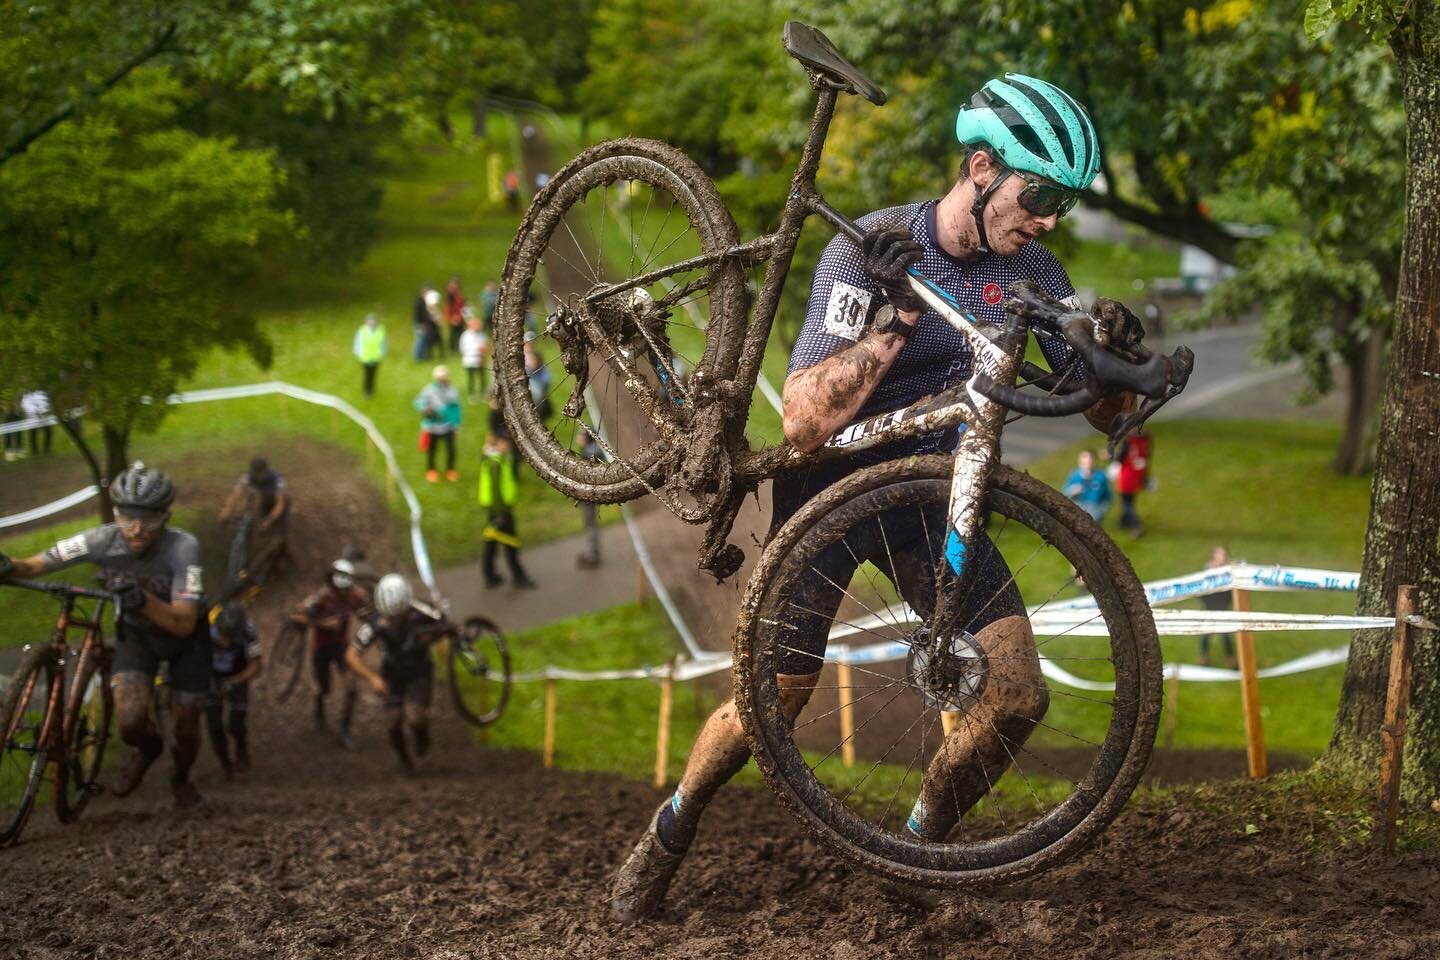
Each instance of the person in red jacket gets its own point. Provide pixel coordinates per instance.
(1134, 459)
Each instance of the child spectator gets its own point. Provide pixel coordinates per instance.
(439, 406)
(1088, 487)
(474, 347)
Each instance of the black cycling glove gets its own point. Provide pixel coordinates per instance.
(887, 253)
(7, 567)
(1115, 326)
(129, 597)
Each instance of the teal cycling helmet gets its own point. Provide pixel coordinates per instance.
(1033, 126)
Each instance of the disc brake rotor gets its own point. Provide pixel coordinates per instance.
(950, 675)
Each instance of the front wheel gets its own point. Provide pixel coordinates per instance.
(287, 661)
(87, 732)
(953, 755)
(479, 672)
(629, 364)
(29, 710)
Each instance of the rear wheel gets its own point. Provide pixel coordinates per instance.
(28, 711)
(629, 363)
(87, 726)
(1031, 729)
(479, 672)
(287, 660)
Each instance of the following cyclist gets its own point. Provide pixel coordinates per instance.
(870, 344)
(235, 660)
(404, 631)
(155, 573)
(328, 612)
(261, 490)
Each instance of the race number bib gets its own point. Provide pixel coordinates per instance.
(71, 548)
(192, 580)
(845, 313)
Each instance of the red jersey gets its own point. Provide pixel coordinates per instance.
(328, 604)
(1134, 463)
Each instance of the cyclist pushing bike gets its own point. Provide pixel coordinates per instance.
(869, 345)
(236, 658)
(261, 492)
(328, 612)
(404, 631)
(155, 572)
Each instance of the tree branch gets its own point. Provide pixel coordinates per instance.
(1186, 226)
(156, 47)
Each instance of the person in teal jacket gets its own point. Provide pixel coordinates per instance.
(439, 406)
(369, 349)
(1088, 487)
(497, 495)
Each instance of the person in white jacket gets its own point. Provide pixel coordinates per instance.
(474, 351)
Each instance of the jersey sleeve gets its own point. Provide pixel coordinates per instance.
(842, 300)
(186, 574)
(72, 550)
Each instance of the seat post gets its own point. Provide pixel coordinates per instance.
(804, 181)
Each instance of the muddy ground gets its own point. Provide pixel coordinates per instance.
(322, 853)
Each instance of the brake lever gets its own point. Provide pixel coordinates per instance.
(1181, 364)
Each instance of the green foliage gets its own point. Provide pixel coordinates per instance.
(126, 238)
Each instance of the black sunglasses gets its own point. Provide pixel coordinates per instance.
(1044, 199)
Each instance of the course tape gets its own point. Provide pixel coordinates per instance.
(273, 387)
(1234, 576)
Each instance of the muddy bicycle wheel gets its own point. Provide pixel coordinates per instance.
(628, 366)
(91, 707)
(29, 710)
(287, 660)
(991, 752)
(479, 672)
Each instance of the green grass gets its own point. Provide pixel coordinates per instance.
(1112, 269)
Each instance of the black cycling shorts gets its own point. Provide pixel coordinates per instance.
(904, 544)
(409, 687)
(141, 650)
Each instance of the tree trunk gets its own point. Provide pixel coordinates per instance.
(478, 111)
(74, 429)
(1402, 542)
(1364, 370)
(117, 447)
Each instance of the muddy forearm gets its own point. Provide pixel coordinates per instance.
(819, 400)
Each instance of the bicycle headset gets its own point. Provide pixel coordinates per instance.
(1031, 126)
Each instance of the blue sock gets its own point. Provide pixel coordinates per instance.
(673, 828)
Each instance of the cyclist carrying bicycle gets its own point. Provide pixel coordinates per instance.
(262, 491)
(404, 630)
(235, 660)
(328, 612)
(155, 571)
(869, 344)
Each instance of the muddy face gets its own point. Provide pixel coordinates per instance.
(1009, 226)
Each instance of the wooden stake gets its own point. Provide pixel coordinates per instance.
(1250, 692)
(949, 720)
(1397, 707)
(847, 714)
(549, 752)
(662, 735)
(1172, 704)
(334, 422)
(369, 453)
(389, 487)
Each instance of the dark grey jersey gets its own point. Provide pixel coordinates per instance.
(170, 569)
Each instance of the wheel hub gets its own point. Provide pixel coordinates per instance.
(950, 675)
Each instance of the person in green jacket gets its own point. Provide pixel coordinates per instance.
(439, 406)
(369, 349)
(497, 495)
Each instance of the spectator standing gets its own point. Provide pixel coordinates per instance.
(454, 313)
(426, 320)
(497, 495)
(590, 450)
(1134, 460)
(489, 296)
(512, 189)
(1089, 488)
(1219, 557)
(235, 660)
(538, 377)
(439, 406)
(369, 348)
(36, 404)
(474, 347)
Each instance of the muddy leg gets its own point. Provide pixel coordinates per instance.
(137, 728)
(187, 738)
(976, 754)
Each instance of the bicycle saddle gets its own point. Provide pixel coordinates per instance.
(818, 54)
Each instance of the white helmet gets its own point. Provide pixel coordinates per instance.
(393, 595)
(342, 574)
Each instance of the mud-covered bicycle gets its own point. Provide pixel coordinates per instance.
(46, 721)
(641, 263)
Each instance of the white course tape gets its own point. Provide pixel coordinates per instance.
(417, 537)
